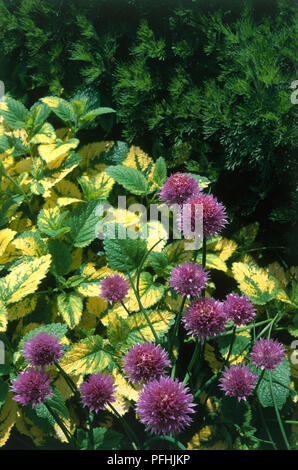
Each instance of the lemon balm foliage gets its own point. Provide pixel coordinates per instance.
(108, 341)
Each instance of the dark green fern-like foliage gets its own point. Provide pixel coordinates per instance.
(205, 85)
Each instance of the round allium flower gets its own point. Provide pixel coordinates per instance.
(97, 391)
(32, 385)
(178, 188)
(188, 279)
(239, 309)
(238, 381)
(114, 288)
(164, 406)
(204, 318)
(214, 214)
(267, 353)
(145, 362)
(43, 349)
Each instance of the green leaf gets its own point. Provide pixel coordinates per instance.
(102, 438)
(40, 416)
(16, 114)
(117, 154)
(94, 113)
(57, 404)
(247, 235)
(82, 223)
(131, 179)
(202, 180)
(64, 110)
(3, 391)
(160, 171)
(239, 345)
(38, 114)
(236, 413)
(58, 329)
(159, 262)
(280, 385)
(124, 255)
(9, 208)
(4, 369)
(50, 221)
(61, 257)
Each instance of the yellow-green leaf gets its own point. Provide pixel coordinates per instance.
(222, 247)
(70, 307)
(96, 187)
(6, 236)
(90, 280)
(46, 135)
(8, 417)
(213, 262)
(135, 328)
(139, 160)
(3, 316)
(87, 357)
(51, 152)
(150, 293)
(24, 279)
(22, 308)
(255, 282)
(30, 244)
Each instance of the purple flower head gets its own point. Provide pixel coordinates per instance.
(214, 214)
(164, 406)
(97, 391)
(114, 288)
(267, 354)
(43, 349)
(145, 362)
(239, 309)
(178, 188)
(32, 385)
(188, 279)
(238, 381)
(204, 318)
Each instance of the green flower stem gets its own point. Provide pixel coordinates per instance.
(207, 384)
(142, 264)
(192, 362)
(260, 380)
(282, 430)
(142, 309)
(129, 431)
(266, 427)
(177, 323)
(243, 328)
(204, 256)
(68, 380)
(231, 345)
(166, 438)
(60, 423)
(211, 380)
(125, 308)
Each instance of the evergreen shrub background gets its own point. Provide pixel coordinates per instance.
(204, 84)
